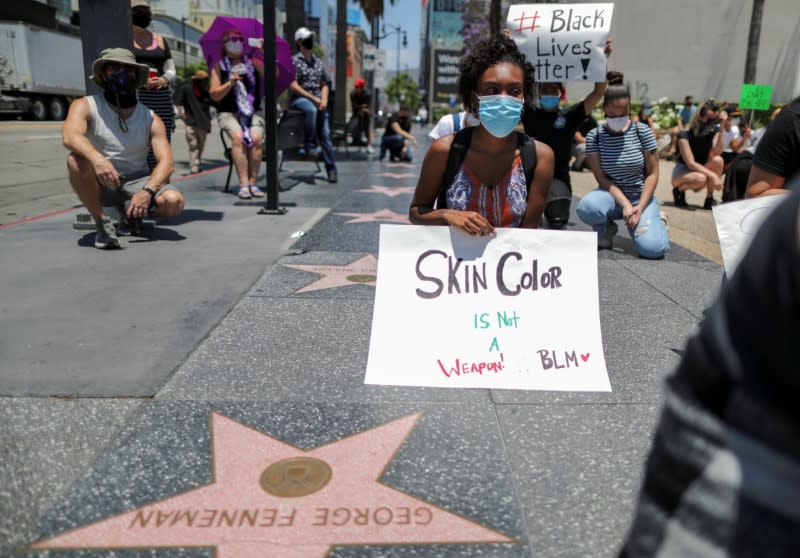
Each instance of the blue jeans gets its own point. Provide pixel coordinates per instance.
(394, 144)
(317, 128)
(650, 236)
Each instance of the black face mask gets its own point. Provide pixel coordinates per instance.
(141, 16)
(120, 89)
(308, 43)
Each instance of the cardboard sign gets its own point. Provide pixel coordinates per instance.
(518, 310)
(564, 42)
(755, 96)
(737, 223)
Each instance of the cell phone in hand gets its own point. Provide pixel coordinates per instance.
(254, 42)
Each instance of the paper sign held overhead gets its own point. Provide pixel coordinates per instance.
(564, 42)
(519, 310)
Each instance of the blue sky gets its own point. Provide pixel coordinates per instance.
(407, 14)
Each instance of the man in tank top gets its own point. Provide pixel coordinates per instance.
(108, 136)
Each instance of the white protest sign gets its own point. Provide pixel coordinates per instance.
(737, 223)
(564, 42)
(518, 310)
(379, 78)
(368, 57)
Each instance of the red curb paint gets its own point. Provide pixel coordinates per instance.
(56, 212)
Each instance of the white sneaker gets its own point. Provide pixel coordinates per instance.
(370, 149)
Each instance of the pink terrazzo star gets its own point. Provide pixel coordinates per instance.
(342, 502)
(390, 191)
(363, 271)
(382, 215)
(397, 174)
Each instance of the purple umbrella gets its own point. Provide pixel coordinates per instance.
(211, 43)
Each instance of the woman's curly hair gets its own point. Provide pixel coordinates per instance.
(485, 55)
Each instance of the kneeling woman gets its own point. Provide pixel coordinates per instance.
(490, 188)
(622, 156)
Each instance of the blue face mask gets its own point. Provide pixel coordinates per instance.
(549, 102)
(499, 113)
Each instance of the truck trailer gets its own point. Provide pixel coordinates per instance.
(41, 70)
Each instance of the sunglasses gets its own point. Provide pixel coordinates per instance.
(236, 39)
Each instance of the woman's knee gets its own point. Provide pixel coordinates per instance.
(591, 211)
(651, 240)
(716, 164)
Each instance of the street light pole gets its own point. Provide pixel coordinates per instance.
(183, 37)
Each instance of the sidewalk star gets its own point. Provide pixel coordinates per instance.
(397, 174)
(382, 215)
(268, 498)
(363, 271)
(390, 191)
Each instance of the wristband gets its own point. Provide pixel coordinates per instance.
(150, 191)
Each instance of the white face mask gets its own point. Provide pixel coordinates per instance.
(617, 124)
(234, 47)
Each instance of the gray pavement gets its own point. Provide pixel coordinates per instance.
(113, 365)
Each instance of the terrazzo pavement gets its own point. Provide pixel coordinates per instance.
(556, 472)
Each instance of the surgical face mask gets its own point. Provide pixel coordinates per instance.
(499, 113)
(549, 102)
(234, 47)
(308, 43)
(734, 121)
(647, 111)
(617, 123)
(120, 89)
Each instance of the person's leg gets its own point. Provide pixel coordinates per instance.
(327, 146)
(192, 142)
(650, 237)
(168, 202)
(579, 151)
(409, 151)
(201, 135)
(597, 208)
(715, 164)
(310, 111)
(254, 161)
(392, 143)
(84, 182)
(684, 179)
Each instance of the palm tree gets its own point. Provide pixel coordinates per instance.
(752, 41)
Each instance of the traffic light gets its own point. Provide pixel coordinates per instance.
(405, 40)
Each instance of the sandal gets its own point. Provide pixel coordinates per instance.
(256, 191)
(244, 193)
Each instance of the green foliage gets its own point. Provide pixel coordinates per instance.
(403, 90)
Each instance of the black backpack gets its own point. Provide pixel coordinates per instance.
(458, 152)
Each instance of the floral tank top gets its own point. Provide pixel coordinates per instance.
(503, 204)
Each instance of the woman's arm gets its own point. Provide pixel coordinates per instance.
(422, 212)
(540, 186)
(603, 180)
(764, 183)
(218, 90)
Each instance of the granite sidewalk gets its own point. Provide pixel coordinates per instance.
(251, 433)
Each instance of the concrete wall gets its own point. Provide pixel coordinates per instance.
(698, 47)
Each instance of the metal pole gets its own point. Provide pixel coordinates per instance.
(183, 37)
(103, 25)
(270, 113)
(397, 61)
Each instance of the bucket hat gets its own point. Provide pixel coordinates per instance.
(120, 56)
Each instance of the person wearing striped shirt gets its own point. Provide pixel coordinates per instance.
(622, 156)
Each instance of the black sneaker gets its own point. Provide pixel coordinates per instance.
(679, 198)
(605, 241)
(332, 176)
(709, 203)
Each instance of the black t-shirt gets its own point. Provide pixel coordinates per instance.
(358, 99)
(228, 102)
(778, 152)
(588, 124)
(197, 110)
(742, 364)
(556, 129)
(405, 124)
(699, 144)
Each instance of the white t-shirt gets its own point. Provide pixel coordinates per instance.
(446, 126)
(728, 136)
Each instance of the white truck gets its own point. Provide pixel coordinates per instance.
(41, 70)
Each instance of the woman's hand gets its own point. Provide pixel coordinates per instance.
(468, 221)
(631, 215)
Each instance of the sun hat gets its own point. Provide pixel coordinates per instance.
(135, 3)
(120, 56)
(303, 33)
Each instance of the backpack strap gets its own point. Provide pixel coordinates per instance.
(458, 152)
(527, 149)
(456, 116)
